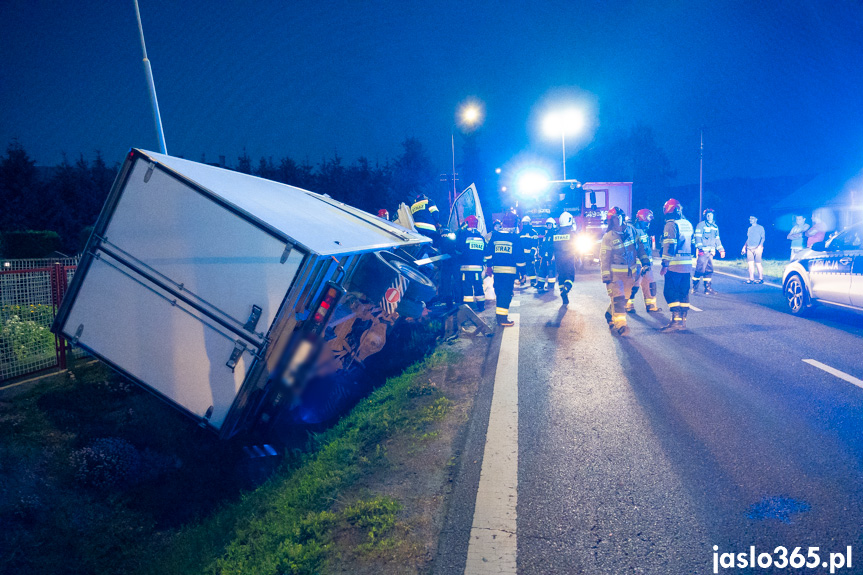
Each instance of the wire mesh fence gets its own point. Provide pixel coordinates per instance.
(29, 296)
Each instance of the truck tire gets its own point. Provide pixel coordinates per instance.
(419, 288)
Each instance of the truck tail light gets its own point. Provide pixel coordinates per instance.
(331, 297)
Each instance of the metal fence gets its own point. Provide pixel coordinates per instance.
(30, 293)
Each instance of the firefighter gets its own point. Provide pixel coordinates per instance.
(622, 258)
(504, 255)
(565, 254)
(547, 273)
(643, 219)
(529, 237)
(471, 252)
(426, 216)
(707, 244)
(676, 263)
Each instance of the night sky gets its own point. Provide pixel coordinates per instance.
(777, 86)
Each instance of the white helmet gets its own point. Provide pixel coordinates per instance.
(565, 219)
(550, 221)
(525, 220)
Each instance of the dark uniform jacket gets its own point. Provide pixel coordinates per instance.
(470, 249)
(563, 243)
(529, 237)
(504, 253)
(425, 214)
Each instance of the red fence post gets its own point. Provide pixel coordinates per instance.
(58, 290)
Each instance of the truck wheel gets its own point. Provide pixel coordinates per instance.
(420, 288)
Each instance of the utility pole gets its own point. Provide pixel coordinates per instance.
(152, 86)
(700, 174)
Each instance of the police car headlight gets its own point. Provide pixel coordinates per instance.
(584, 244)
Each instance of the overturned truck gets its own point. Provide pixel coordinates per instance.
(227, 294)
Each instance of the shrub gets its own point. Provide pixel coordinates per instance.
(21, 335)
(106, 462)
(30, 244)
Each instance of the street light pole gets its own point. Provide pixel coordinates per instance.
(563, 146)
(452, 141)
(700, 173)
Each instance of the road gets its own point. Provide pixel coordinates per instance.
(660, 452)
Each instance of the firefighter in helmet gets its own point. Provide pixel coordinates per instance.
(565, 254)
(622, 258)
(676, 263)
(471, 251)
(707, 244)
(529, 237)
(643, 219)
(426, 216)
(547, 272)
(504, 255)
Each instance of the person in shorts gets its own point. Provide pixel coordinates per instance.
(752, 249)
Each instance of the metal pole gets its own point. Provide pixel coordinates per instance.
(563, 145)
(700, 174)
(151, 85)
(452, 141)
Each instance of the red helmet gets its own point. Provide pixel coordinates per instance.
(707, 211)
(382, 213)
(616, 211)
(471, 221)
(644, 215)
(671, 206)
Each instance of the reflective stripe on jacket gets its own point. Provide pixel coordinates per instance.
(620, 252)
(677, 246)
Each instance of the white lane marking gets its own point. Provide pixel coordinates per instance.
(836, 372)
(515, 303)
(492, 547)
(743, 278)
(692, 307)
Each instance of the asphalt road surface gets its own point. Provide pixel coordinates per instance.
(664, 452)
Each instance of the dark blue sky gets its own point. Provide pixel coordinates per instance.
(777, 85)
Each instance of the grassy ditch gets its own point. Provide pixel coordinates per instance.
(97, 476)
(291, 524)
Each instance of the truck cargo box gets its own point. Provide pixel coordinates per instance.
(204, 285)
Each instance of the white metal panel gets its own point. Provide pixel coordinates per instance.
(158, 343)
(213, 252)
(323, 225)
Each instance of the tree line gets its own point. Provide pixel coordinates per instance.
(67, 198)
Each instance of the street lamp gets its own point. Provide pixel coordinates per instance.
(469, 116)
(569, 121)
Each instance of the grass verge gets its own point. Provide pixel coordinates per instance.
(289, 524)
(772, 268)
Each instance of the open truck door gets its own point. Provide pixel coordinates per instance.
(466, 204)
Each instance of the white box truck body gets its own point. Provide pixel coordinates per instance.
(216, 290)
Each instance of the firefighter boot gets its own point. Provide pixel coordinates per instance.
(695, 286)
(708, 289)
(504, 321)
(564, 295)
(608, 320)
(651, 306)
(630, 306)
(677, 323)
(480, 306)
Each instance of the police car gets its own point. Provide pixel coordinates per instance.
(828, 273)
